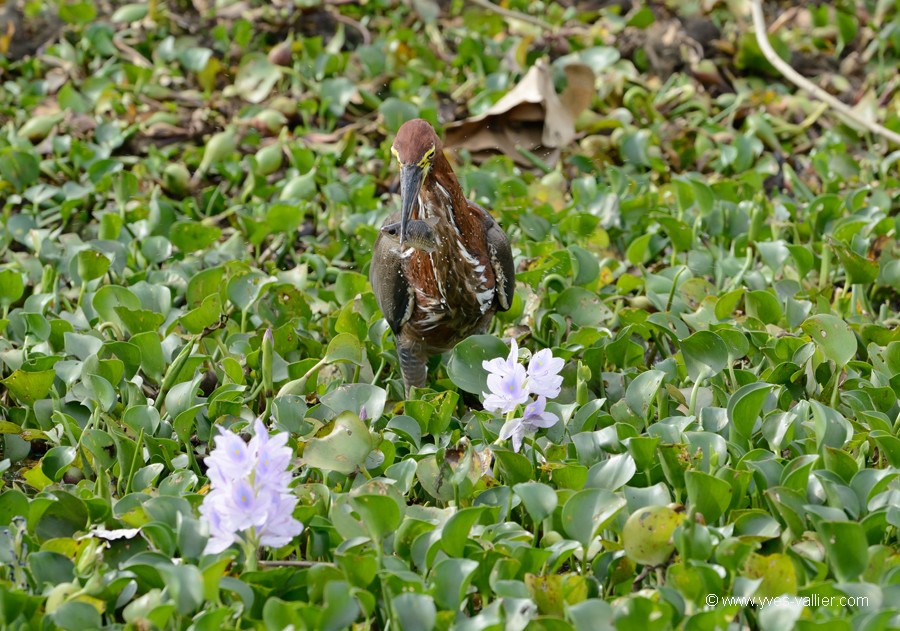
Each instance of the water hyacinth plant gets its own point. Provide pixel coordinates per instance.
(249, 501)
(511, 385)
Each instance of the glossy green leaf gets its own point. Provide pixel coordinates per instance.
(587, 511)
(833, 336)
(343, 449)
(465, 364)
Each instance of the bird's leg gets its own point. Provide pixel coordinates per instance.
(413, 362)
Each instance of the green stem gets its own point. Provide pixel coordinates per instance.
(692, 406)
(137, 450)
(739, 277)
(674, 288)
(251, 551)
(175, 368)
(825, 267)
(837, 383)
(254, 393)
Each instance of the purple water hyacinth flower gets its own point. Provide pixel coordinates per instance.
(215, 511)
(250, 498)
(231, 459)
(280, 527)
(273, 457)
(543, 374)
(504, 367)
(508, 391)
(535, 418)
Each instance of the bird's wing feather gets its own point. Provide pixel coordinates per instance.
(389, 284)
(501, 259)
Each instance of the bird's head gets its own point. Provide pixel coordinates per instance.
(415, 148)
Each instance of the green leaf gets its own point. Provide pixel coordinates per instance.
(396, 112)
(642, 390)
(139, 320)
(859, 270)
(455, 533)
(77, 12)
(344, 449)
(108, 297)
(336, 94)
(11, 287)
(415, 611)
(204, 284)
(553, 592)
(451, 578)
(380, 513)
(56, 461)
(704, 354)
(586, 512)
(613, 473)
(707, 494)
(833, 336)
(464, 366)
(152, 363)
(591, 615)
(91, 265)
(190, 236)
(777, 573)
(256, 77)
(194, 58)
(130, 13)
(349, 285)
(745, 406)
(344, 348)
(356, 397)
(206, 315)
(539, 499)
(28, 387)
(764, 306)
(584, 307)
(76, 615)
(184, 583)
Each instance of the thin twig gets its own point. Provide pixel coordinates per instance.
(293, 563)
(513, 15)
(356, 26)
(759, 26)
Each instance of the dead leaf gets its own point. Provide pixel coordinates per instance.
(531, 117)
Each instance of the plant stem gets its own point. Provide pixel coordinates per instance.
(837, 383)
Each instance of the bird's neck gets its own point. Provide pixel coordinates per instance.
(450, 200)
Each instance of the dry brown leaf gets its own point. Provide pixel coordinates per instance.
(531, 116)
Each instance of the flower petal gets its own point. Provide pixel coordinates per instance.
(517, 437)
(509, 428)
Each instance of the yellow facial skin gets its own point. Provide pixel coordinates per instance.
(424, 163)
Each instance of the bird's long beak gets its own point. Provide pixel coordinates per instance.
(411, 177)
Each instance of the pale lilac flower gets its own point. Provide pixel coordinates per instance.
(507, 391)
(273, 457)
(221, 534)
(543, 374)
(250, 492)
(504, 367)
(280, 527)
(534, 419)
(231, 459)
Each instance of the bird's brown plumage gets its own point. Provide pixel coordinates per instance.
(433, 300)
